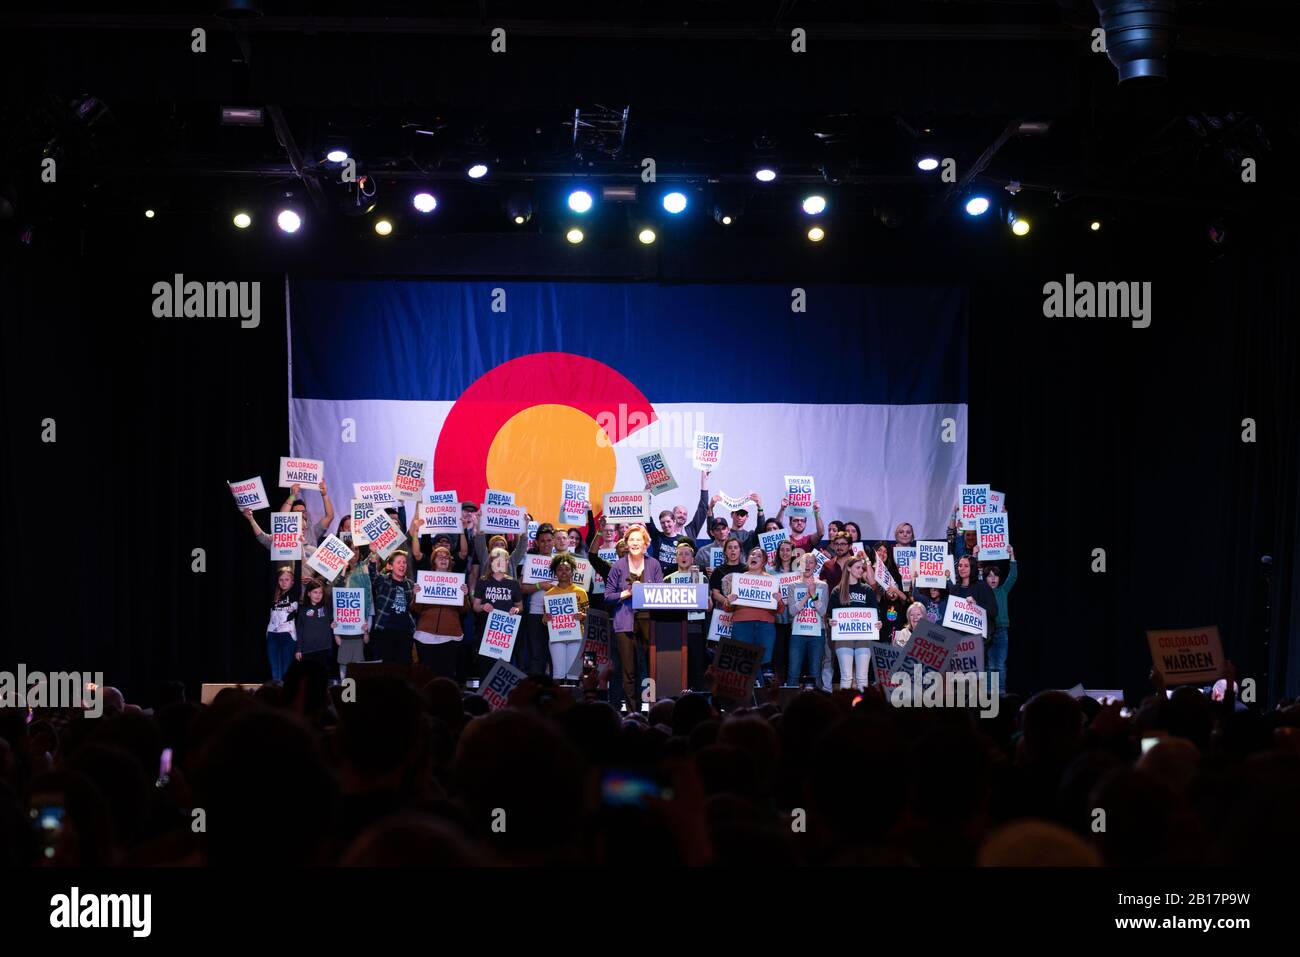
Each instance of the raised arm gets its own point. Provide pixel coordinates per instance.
(701, 510)
(329, 506)
(294, 492)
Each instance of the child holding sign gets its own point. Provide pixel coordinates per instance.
(565, 653)
(281, 633)
(439, 629)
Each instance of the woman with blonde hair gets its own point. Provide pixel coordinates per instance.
(915, 612)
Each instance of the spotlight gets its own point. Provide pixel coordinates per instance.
(519, 207)
(927, 164)
(477, 171)
(580, 201)
(977, 206)
(647, 236)
(574, 235)
(816, 234)
(288, 220)
(149, 214)
(242, 220)
(814, 205)
(424, 202)
(1020, 226)
(383, 227)
(520, 220)
(675, 202)
(336, 155)
(725, 220)
(1095, 225)
(765, 174)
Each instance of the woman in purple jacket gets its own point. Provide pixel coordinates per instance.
(631, 628)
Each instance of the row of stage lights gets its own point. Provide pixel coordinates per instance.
(675, 202)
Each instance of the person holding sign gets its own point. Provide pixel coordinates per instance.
(315, 627)
(281, 633)
(968, 585)
(439, 629)
(565, 652)
(783, 563)
(967, 543)
(498, 590)
(394, 597)
(915, 612)
(809, 604)
(731, 564)
(857, 589)
(632, 629)
(996, 657)
(893, 603)
(751, 624)
(799, 536)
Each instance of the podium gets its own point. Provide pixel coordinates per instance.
(668, 604)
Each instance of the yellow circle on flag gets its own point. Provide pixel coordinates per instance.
(541, 446)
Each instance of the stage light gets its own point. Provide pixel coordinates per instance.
(675, 202)
(288, 220)
(1095, 225)
(424, 202)
(519, 207)
(242, 220)
(148, 214)
(336, 155)
(383, 227)
(1020, 226)
(816, 234)
(726, 220)
(477, 171)
(813, 205)
(647, 236)
(580, 201)
(977, 206)
(520, 220)
(765, 174)
(724, 215)
(927, 164)
(574, 235)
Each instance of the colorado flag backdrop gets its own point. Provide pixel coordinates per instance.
(519, 385)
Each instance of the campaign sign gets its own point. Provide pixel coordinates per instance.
(304, 472)
(440, 588)
(967, 656)
(929, 647)
(799, 496)
(885, 658)
(625, 507)
(931, 565)
(537, 570)
(408, 476)
(501, 679)
(883, 578)
(384, 535)
(905, 559)
(361, 510)
(286, 536)
(532, 533)
(994, 537)
(597, 643)
(510, 519)
(733, 504)
(754, 591)
(349, 611)
(575, 499)
(716, 557)
(330, 558)
(720, 627)
(854, 624)
(974, 502)
(962, 614)
(381, 493)
(806, 621)
(564, 624)
(997, 501)
(584, 575)
(440, 517)
(770, 541)
(499, 634)
(249, 493)
(447, 497)
(658, 476)
(707, 451)
(857, 548)
(735, 667)
(494, 497)
(821, 560)
(670, 595)
(1187, 656)
(785, 580)
(609, 555)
